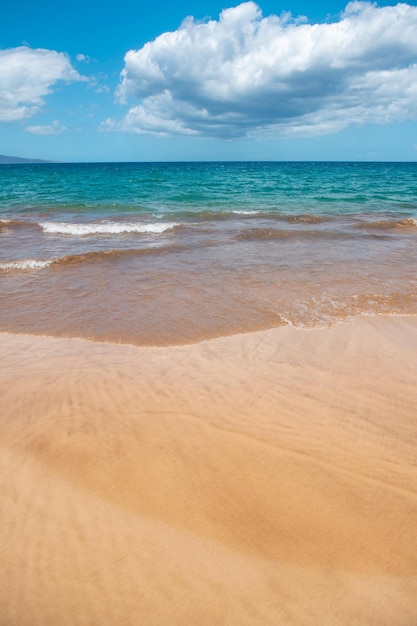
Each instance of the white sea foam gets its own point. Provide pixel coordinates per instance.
(237, 212)
(104, 228)
(26, 264)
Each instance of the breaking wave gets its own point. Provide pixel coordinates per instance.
(104, 228)
(26, 264)
(86, 257)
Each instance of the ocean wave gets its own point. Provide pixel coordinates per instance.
(105, 228)
(261, 234)
(12, 223)
(408, 223)
(272, 233)
(298, 218)
(221, 215)
(26, 264)
(307, 219)
(86, 257)
(101, 255)
(268, 234)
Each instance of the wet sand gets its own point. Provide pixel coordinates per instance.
(267, 478)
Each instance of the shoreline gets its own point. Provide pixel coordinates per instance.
(260, 478)
(244, 333)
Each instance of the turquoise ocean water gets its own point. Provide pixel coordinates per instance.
(159, 253)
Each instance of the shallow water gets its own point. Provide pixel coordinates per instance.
(173, 253)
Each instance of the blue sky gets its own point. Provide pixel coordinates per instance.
(273, 80)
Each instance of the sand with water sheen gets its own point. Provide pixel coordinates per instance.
(267, 479)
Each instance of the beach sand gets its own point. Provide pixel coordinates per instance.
(267, 478)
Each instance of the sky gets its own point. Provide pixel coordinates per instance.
(213, 80)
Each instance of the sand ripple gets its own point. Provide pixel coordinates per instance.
(261, 479)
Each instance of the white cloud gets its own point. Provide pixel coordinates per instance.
(245, 74)
(55, 128)
(26, 76)
(102, 89)
(83, 58)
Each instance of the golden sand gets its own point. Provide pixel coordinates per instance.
(267, 479)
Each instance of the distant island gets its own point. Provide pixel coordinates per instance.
(11, 159)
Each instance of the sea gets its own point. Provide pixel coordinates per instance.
(174, 253)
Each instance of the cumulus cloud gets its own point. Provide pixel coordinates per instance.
(245, 74)
(56, 128)
(26, 76)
